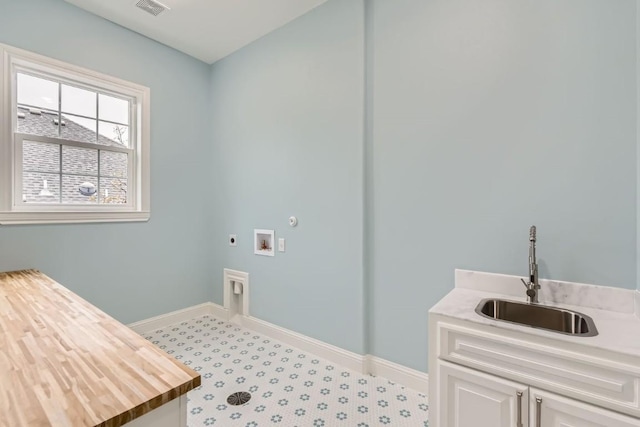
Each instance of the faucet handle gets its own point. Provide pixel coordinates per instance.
(526, 285)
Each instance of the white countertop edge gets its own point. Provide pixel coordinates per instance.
(553, 291)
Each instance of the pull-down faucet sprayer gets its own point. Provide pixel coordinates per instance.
(532, 286)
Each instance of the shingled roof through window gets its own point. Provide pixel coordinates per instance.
(45, 123)
(44, 160)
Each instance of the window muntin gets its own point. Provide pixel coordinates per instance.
(96, 117)
(89, 163)
(53, 172)
(81, 175)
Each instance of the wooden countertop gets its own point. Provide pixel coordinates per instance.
(63, 362)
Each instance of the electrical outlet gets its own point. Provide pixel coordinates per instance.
(233, 240)
(281, 244)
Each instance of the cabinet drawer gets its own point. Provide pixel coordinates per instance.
(591, 379)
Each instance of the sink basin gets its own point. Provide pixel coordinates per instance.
(538, 316)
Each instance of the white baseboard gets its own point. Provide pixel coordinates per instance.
(219, 312)
(159, 322)
(365, 364)
(330, 352)
(408, 377)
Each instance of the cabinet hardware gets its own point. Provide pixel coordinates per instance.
(519, 409)
(538, 411)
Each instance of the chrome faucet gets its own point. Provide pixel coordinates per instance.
(532, 286)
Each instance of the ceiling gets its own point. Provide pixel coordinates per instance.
(205, 29)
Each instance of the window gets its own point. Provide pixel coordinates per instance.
(74, 144)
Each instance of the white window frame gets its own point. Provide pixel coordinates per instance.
(12, 209)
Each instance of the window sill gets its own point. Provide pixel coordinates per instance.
(20, 218)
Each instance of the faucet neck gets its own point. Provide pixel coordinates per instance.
(532, 286)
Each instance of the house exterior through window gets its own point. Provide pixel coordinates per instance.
(74, 143)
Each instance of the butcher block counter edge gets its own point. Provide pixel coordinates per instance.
(70, 364)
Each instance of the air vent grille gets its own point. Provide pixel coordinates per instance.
(153, 7)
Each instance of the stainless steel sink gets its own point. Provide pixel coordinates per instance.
(538, 316)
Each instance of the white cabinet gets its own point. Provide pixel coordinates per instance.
(480, 376)
(171, 414)
(473, 399)
(469, 398)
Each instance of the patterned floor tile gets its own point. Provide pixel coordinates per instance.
(288, 387)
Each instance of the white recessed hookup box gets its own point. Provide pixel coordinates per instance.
(263, 242)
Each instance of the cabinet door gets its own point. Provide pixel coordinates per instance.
(470, 398)
(550, 410)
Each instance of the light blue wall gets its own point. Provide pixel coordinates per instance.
(288, 134)
(489, 117)
(483, 119)
(136, 270)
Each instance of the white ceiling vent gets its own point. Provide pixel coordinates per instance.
(153, 7)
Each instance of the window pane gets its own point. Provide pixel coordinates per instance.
(40, 187)
(78, 129)
(113, 109)
(113, 164)
(113, 190)
(79, 189)
(40, 157)
(79, 161)
(78, 101)
(37, 122)
(115, 133)
(37, 92)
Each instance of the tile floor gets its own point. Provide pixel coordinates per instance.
(289, 388)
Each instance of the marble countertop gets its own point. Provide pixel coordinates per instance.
(618, 331)
(65, 363)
